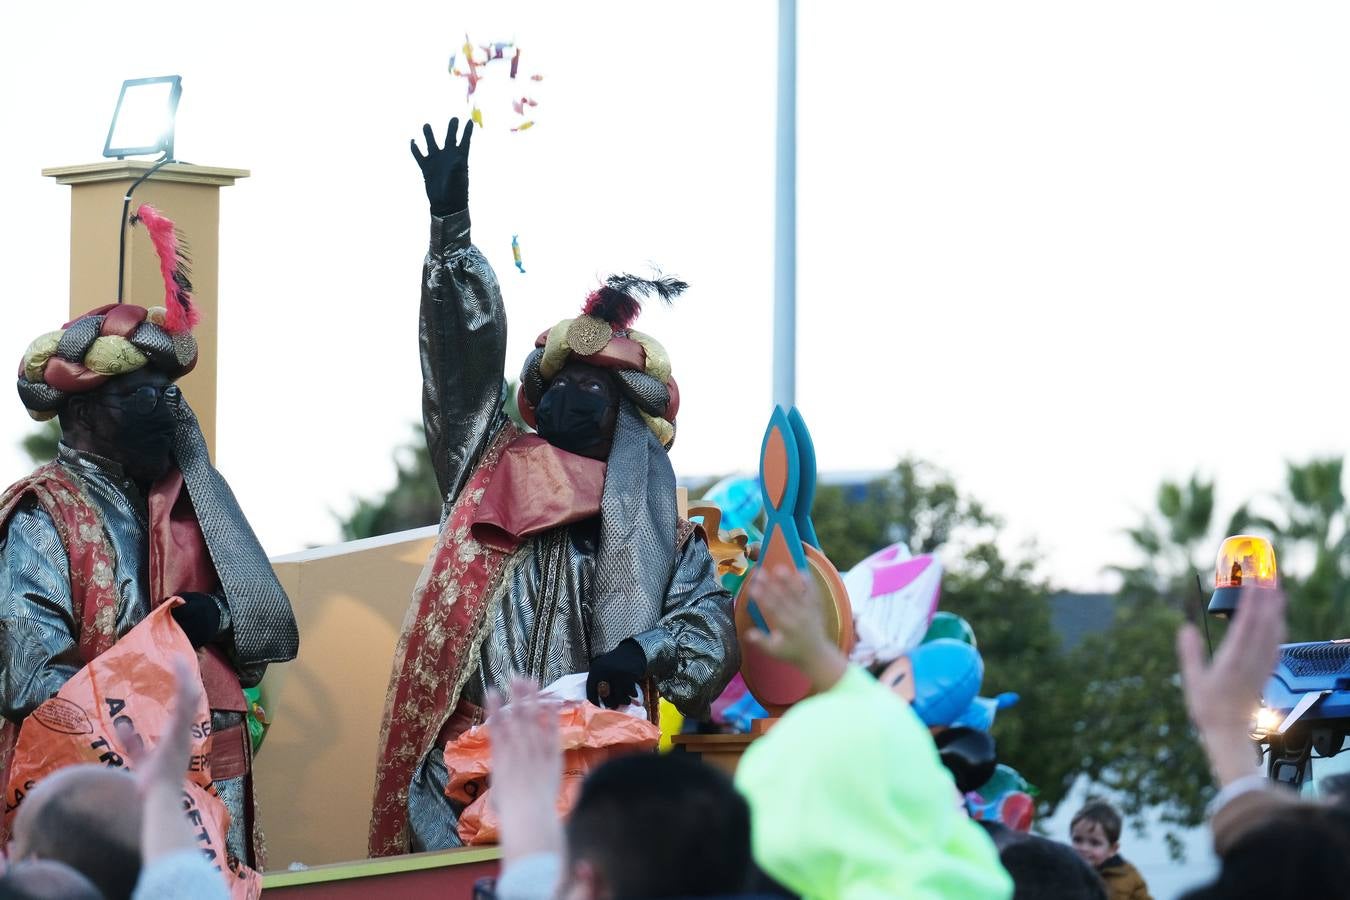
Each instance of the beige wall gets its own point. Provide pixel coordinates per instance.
(316, 770)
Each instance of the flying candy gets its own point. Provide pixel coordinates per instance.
(515, 251)
(475, 69)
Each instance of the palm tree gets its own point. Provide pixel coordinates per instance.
(1316, 529)
(1176, 541)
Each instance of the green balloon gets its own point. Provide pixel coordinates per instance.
(950, 625)
(1005, 780)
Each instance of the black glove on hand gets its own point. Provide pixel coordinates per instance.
(445, 169)
(613, 679)
(969, 755)
(199, 618)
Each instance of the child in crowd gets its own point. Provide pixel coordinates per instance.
(1095, 831)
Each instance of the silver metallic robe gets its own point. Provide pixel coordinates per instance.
(39, 648)
(546, 619)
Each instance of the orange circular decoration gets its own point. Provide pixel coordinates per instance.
(776, 684)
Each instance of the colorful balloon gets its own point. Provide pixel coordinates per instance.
(741, 501)
(946, 677)
(950, 625)
(982, 710)
(894, 597)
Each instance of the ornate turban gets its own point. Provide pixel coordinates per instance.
(602, 336)
(118, 338)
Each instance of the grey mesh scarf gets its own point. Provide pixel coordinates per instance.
(260, 612)
(636, 557)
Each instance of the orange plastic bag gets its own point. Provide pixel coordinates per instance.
(590, 735)
(117, 702)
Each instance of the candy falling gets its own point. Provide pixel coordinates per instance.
(515, 253)
(473, 64)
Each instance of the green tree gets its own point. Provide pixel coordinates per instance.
(1315, 532)
(916, 503)
(415, 498)
(412, 502)
(1132, 735)
(1009, 608)
(1007, 604)
(40, 444)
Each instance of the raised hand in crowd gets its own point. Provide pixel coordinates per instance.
(160, 774)
(526, 772)
(791, 604)
(171, 863)
(1222, 695)
(445, 169)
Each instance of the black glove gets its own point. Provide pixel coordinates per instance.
(613, 679)
(446, 169)
(969, 755)
(199, 618)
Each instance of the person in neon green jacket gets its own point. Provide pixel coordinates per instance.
(847, 794)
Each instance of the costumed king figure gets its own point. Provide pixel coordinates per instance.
(130, 513)
(559, 552)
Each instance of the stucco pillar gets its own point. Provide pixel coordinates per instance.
(188, 194)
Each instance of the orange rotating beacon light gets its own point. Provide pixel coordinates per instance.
(1245, 562)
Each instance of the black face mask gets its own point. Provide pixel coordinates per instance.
(146, 441)
(571, 418)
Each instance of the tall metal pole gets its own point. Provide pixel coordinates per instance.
(785, 213)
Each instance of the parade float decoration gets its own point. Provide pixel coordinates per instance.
(788, 482)
(1006, 798)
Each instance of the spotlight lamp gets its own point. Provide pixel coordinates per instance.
(143, 122)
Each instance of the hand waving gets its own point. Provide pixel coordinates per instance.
(791, 604)
(526, 771)
(445, 169)
(1222, 695)
(160, 772)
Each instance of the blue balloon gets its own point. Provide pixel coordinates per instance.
(743, 712)
(740, 499)
(947, 678)
(980, 714)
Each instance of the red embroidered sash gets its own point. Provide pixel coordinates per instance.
(436, 651)
(93, 592)
(178, 560)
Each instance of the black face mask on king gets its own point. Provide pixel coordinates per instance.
(145, 440)
(572, 418)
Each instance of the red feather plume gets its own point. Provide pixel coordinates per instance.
(618, 309)
(180, 313)
(614, 301)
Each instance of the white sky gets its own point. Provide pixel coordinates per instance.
(1063, 249)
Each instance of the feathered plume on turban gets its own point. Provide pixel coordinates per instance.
(118, 338)
(603, 336)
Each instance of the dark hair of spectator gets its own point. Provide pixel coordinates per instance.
(45, 880)
(1104, 814)
(661, 826)
(1335, 789)
(1303, 851)
(1042, 869)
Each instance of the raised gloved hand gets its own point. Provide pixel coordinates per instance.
(199, 617)
(613, 679)
(445, 169)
